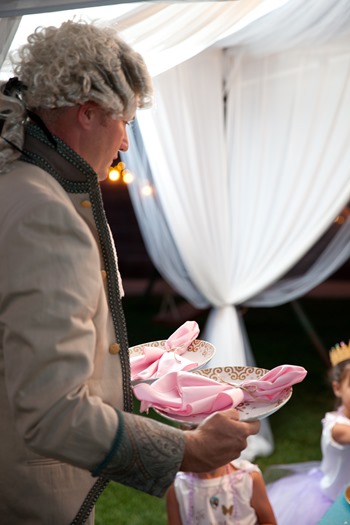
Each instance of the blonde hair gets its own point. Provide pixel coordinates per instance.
(71, 64)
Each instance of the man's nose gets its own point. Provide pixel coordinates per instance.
(125, 143)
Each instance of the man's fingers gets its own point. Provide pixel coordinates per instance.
(253, 426)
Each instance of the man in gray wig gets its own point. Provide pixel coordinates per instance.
(65, 403)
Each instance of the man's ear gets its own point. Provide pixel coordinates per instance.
(87, 112)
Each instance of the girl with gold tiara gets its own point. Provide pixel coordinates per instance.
(306, 495)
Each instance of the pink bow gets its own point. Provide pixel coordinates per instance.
(270, 385)
(158, 361)
(185, 393)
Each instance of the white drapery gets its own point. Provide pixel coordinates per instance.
(247, 197)
(246, 188)
(10, 8)
(8, 28)
(165, 33)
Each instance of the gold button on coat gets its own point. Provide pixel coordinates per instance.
(114, 348)
(104, 274)
(85, 204)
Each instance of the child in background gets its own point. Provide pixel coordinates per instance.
(304, 497)
(232, 494)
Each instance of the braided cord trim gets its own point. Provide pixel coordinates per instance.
(90, 186)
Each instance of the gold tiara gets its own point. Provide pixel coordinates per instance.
(339, 352)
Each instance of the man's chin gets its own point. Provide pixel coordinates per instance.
(102, 175)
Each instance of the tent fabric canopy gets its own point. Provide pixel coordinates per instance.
(166, 33)
(9, 8)
(246, 148)
(250, 199)
(295, 25)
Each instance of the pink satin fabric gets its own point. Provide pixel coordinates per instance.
(185, 393)
(156, 361)
(270, 386)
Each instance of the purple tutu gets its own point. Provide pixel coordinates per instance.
(297, 498)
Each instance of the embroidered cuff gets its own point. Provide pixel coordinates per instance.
(145, 454)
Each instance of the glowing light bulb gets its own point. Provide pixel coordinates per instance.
(120, 166)
(147, 190)
(128, 177)
(113, 174)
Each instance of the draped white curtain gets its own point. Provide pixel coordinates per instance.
(297, 283)
(8, 28)
(10, 8)
(168, 33)
(248, 187)
(165, 33)
(245, 197)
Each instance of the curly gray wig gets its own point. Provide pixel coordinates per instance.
(74, 63)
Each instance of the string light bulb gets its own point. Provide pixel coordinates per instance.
(127, 176)
(117, 172)
(120, 173)
(113, 174)
(147, 190)
(120, 166)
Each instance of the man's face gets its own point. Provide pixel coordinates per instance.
(111, 137)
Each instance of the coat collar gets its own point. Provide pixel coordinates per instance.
(58, 159)
(76, 176)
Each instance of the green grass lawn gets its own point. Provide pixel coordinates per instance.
(276, 337)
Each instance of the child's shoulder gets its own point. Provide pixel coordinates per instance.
(336, 416)
(246, 465)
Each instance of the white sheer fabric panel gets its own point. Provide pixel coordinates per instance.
(288, 152)
(165, 33)
(168, 33)
(192, 184)
(8, 28)
(238, 233)
(152, 222)
(294, 24)
(287, 289)
(23, 7)
(179, 134)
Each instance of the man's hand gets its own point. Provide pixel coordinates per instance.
(219, 439)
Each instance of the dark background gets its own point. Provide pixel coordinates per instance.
(133, 258)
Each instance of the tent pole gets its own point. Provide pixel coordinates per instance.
(311, 332)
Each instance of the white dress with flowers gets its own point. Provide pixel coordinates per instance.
(220, 501)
